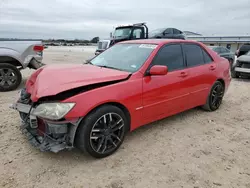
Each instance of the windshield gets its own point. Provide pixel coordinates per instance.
(122, 32)
(125, 57)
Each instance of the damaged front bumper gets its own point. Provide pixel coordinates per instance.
(44, 134)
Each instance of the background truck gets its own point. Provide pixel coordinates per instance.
(15, 56)
(137, 31)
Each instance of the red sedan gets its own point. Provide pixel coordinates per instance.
(92, 106)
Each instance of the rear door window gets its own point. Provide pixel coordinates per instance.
(193, 54)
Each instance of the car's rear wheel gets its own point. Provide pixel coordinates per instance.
(10, 77)
(102, 132)
(215, 97)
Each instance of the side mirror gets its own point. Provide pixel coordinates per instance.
(158, 70)
(110, 34)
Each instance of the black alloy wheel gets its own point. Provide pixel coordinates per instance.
(10, 77)
(102, 131)
(107, 133)
(215, 97)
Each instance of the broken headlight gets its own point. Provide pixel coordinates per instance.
(52, 111)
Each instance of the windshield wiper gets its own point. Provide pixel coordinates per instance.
(109, 67)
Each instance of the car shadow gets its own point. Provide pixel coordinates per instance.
(77, 156)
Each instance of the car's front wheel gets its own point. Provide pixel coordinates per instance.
(215, 97)
(102, 132)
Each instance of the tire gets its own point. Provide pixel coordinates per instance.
(10, 77)
(211, 105)
(97, 140)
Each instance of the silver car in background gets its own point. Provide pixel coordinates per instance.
(241, 66)
(15, 56)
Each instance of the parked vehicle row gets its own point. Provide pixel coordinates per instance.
(135, 32)
(224, 52)
(15, 56)
(93, 106)
(240, 66)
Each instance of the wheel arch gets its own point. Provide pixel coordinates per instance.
(117, 104)
(10, 60)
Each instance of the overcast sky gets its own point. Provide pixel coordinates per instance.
(85, 19)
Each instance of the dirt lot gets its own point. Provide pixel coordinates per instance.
(193, 149)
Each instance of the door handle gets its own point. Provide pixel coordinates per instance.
(212, 67)
(183, 74)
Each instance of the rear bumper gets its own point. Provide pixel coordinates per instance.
(43, 134)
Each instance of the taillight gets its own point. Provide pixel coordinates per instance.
(38, 48)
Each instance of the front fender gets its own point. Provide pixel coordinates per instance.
(127, 93)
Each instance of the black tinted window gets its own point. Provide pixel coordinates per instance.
(194, 55)
(171, 56)
(207, 58)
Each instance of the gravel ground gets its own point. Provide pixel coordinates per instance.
(193, 149)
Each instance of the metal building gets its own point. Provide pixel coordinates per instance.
(231, 42)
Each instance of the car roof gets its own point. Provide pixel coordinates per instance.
(158, 41)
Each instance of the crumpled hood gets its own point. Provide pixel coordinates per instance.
(53, 79)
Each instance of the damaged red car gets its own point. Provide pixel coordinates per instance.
(92, 106)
